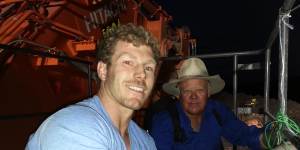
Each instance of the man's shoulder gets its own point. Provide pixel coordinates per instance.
(84, 113)
(162, 119)
(216, 104)
(82, 116)
(72, 123)
(164, 114)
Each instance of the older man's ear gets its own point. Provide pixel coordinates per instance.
(208, 91)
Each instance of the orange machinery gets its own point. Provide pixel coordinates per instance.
(32, 85)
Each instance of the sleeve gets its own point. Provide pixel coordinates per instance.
(236, 131)
(65, 133)
(162, 131)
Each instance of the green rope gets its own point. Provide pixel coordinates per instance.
(275, 130)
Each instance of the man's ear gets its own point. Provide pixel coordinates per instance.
(208, 90)
(102, 70)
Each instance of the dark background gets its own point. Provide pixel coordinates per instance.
(235, 25)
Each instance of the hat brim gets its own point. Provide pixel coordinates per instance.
(216, 84)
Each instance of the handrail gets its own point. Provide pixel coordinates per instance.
(217, 55)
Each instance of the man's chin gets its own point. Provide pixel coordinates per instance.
(135, 107)
(195, 112)
(136, 104)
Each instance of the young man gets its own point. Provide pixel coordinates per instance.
(203, 122)
(126, 66)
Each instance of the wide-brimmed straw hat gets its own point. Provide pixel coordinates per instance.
(193, 68)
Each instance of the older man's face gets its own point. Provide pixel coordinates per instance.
(194, 95)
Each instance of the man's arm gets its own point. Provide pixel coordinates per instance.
(235, 130)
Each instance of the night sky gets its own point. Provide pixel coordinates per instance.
(225, 26)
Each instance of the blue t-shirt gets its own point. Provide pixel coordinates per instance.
(210, 132)
(86, 126)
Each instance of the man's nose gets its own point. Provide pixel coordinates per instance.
(140, 72)
(194, 94)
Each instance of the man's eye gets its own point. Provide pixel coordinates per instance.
(186, 92)
(200, 90)
(127, 62)
(149, 69)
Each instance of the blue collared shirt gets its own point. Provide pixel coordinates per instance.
(210, 132)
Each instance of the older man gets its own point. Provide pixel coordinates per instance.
(203, 121)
